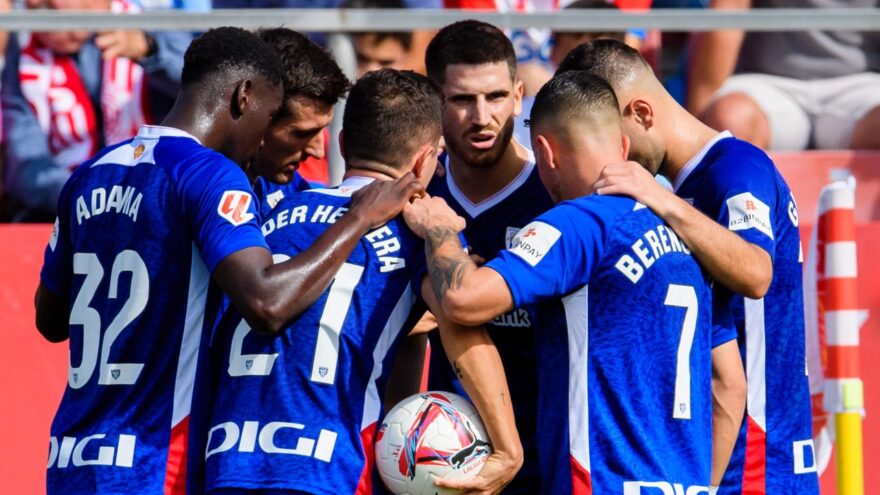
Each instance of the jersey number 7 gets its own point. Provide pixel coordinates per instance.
(683, 296)
(329, 327)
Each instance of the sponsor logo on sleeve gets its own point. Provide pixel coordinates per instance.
(234, 207)
(533, 241)
(53, 239)
(748, 212)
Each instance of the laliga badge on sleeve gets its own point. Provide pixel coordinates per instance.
(234, 207)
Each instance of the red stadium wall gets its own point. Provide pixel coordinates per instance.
(33, 372)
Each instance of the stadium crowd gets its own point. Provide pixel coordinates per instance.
(65, 95)
(616, 333)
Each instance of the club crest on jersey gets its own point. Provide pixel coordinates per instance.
(139, 151)
(249, 364)
(533, 241)
(323, 371)
(234, 207)
(114, 374)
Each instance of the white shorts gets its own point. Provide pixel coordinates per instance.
(821, 113)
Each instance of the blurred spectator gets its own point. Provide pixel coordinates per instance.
(378, 50)
(790, 91)
(66, 95)
(562, 43)
(534, 75)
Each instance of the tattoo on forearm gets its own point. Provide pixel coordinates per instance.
(446, 271)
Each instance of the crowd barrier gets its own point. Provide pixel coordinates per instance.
(33, 371)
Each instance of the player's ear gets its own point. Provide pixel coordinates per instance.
(642, 112)
(543, 152)
(518, 89)
(422, 165)
(241, 98)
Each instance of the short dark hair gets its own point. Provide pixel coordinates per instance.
(389, 115)
(611, 60)
(229, 48)
(572, 95)
(402, 37)
(468, 42)
(309, 70)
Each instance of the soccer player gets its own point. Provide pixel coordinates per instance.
(298, 412)
(743, 229)
(492, 182)
(625, 371)
(142, 229)
(313, 84)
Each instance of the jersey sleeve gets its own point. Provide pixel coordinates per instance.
(221, 210)
(723, 326)
(747, 198)
(552, 256)
(57, 272)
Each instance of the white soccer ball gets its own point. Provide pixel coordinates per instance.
(427, 436)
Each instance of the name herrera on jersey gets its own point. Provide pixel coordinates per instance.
(661, 240)
(383, 240)
(119, 200)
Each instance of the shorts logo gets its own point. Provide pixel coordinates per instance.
(234, 207)
(533, 241)
(748, 212)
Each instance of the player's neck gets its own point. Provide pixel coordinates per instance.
(687, 136)
(190, 117)
(370, 170)
(480, 183)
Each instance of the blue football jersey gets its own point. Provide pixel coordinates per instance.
(269, 194)
(491, 226)
(298, 411)
(140, 229)
(737, 184)
(625, 368)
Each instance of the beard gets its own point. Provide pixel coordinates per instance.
(482, 158)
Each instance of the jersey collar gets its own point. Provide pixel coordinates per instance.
(693, 162)
(157, 131)
(474, 209)
(347, 188)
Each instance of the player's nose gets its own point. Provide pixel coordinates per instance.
(315, 147)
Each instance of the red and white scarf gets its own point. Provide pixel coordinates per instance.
(52, 86)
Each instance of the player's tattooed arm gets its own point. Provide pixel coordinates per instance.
(447, 270)
(467, 294)
(476, 362)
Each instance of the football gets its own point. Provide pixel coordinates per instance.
(427, 436)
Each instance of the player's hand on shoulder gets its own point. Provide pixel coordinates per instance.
(427, 213)
(630, 179)
(381, 201)
(496, 474)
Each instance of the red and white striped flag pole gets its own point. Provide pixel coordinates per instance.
(838, 310)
